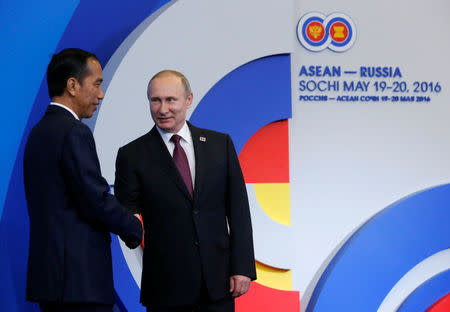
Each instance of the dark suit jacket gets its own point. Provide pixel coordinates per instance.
(187, 239)
(71, 214)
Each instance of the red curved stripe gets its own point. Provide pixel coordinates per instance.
(265, 156)
(442, 305)
(265, 299)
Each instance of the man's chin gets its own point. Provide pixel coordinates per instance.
(165, 126)
(87, 115)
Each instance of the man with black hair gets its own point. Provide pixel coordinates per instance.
(71, 211)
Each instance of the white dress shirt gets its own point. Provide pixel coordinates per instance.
(185, 142)
(65, 107)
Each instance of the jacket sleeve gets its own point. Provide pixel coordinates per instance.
(81, 167)
(242, 252)
(126, 185)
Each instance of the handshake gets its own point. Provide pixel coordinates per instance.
(132, 243)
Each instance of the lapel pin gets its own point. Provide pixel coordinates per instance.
(203, 139)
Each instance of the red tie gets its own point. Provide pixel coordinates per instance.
(179, 156)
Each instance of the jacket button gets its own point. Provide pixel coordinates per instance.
(196, 243)
(196, 211)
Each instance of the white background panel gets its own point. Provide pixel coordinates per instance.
(350, 160)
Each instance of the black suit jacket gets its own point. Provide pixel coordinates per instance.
(187, 239)
(71, 214)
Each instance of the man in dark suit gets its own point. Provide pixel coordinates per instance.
(71, 212)
(188, 185)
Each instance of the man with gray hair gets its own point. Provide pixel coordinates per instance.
(188, 185)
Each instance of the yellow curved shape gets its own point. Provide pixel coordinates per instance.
(273, 277)
(275, 200)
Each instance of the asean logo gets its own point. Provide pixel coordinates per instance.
(316, 32)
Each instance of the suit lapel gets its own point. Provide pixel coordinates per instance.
(164, 160)
(200, 144)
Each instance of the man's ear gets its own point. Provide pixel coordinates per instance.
(72, 86)
(189, 100)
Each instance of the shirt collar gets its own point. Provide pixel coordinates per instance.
(65, 107)
(184, 133)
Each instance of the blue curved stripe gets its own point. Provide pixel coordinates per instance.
(248, 98)
(427, 294)
(382, 251)
(124, 284)
(31, 32)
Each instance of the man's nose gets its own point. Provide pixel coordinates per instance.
(164, 107)
(101, 95)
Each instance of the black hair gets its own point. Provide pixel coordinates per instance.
(64, 65)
